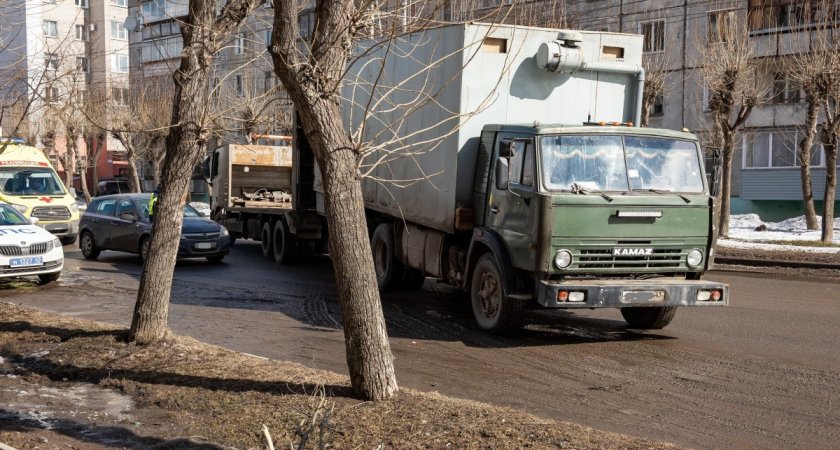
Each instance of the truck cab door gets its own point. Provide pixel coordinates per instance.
(511, 206)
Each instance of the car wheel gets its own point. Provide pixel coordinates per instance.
(216, 259)
(69, 240)
(649, 318)
(144, 249)
(87, 244)
(49, 277)
(494, 310)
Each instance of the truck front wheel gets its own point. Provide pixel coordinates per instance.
(389, 270)
(493, 309)
(285, 244)
(649, 318)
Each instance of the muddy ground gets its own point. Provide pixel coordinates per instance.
(67, 383)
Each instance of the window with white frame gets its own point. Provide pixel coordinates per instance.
(778, 149)
(50, 28)
(119, 63)
(81, 3)
(707, 97)
(239, 44)
(240, 87)
(51, 94)
(51, 62)
(658, 106)
(121, 3)
(784, 89)
(654, 36)
(81, 33)
(82, 64)
(118, 31)
(81, 96)
(120, 96)
(267, 36)
(721, 25)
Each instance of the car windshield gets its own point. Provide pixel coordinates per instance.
(620, 163)
(30, 181)
(11, 216)
(189, 211)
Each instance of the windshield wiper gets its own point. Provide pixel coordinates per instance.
(663, 192)
(578, 189)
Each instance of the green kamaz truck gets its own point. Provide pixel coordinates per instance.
(507, 161)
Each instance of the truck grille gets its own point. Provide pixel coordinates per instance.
(34, 249)
(51, 212)
(604, 259)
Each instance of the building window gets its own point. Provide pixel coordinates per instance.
(50, 28)
(781, 15)
(122, 3)
(707, 98)
(240, 88)
(306, 23)
(784, 89)
(267, 36)
(658, 106)
(268, 83)
(49, 2)
(118, 31)
(654, 34)
(51, 62)
(778, 149)
(81, 33)
(239, 44)
(119, 63)
(721, 25)
(120, 96)
(82, 64)
(81, 96)
(51, 94)
(81, 3)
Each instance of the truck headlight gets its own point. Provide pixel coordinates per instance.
(74, 207)
(694, 258)
(21, 209)
(563, 259)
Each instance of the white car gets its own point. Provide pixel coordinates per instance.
(27, 249)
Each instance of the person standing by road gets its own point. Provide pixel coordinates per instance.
(152, 202)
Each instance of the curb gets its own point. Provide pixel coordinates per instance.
(776, 263)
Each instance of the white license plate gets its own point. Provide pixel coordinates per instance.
(642, 296)
(205, 245)
(26, 262)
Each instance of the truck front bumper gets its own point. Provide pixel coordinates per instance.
(630, 293)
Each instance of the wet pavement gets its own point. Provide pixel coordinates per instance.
(761, 373)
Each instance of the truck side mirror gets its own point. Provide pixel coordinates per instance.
(713, 161)
(502, 174)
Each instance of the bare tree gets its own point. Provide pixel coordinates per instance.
(831, 140)
(655, 71)
(730, 72)
(204, 33)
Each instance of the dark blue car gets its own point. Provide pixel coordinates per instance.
(121, 222)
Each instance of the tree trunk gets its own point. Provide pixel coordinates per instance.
(68, 161)
(805, 146)
(184, 146)
(726, 181)
(132, 172)
(645, 113)
(830, 190)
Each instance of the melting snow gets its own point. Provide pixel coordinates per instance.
(743, 234)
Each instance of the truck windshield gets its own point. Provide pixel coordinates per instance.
(620, 163)
(30, 181)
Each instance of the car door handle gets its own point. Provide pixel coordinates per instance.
(494, 209)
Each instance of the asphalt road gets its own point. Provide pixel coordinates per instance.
(762, 373)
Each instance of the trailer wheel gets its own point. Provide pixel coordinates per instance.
(389, 270)
(649, 318)
(493, 309)
(285, 244)
(265, 241)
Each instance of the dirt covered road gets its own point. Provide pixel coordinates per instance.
(763, 373)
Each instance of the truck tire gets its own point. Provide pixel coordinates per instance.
(389, 270)
(285, 244)
(265, 241)
(493, 309)
(649, 318)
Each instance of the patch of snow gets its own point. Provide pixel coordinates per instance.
(742, 227)
(747, 245)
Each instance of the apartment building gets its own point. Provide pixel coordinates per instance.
(54, 53)
(676, 33)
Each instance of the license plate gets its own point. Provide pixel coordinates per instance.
(26, 262)
(642, 296)
(205, 245)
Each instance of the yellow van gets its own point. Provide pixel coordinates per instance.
(29, 183)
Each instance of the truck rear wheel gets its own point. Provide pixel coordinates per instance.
(493, 309)
(285, 244)
(265, 241)
(648, 318)
(389, 270)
